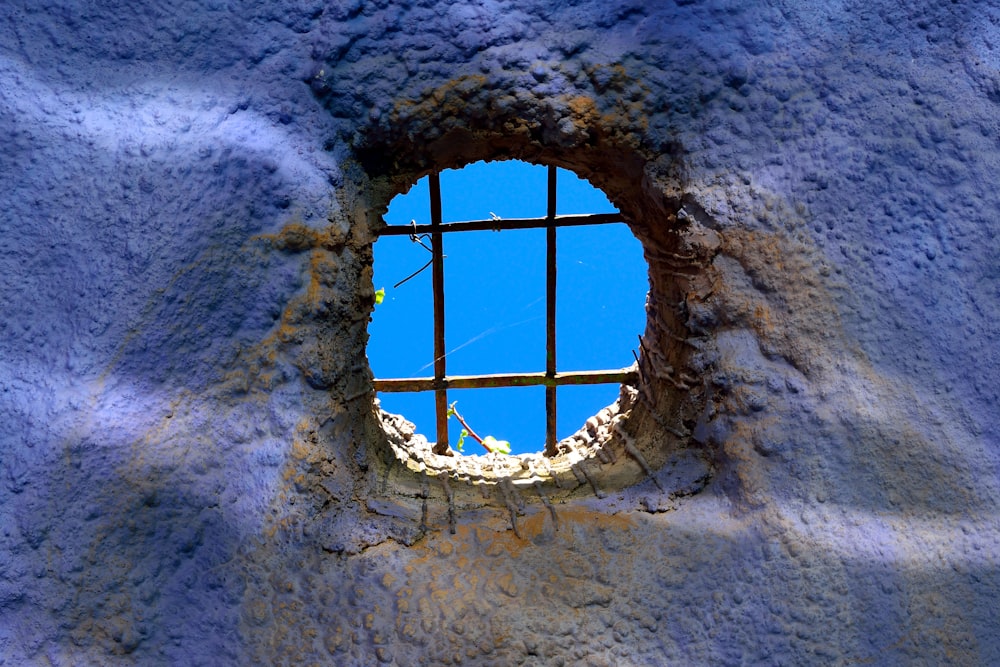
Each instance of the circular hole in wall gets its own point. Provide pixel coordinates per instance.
(651, 423)
(495, 303)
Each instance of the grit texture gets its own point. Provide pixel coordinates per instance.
(192, 468)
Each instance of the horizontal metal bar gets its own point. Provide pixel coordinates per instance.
(622, 375)
(504, 223)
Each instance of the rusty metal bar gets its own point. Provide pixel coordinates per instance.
(550, 315)
(550, 379)
(621, 376)
(437, 251)
(504, 224)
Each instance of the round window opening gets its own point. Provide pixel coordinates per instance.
(509, 308)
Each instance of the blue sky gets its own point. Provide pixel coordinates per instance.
(495, 302)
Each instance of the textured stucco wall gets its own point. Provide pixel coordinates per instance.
(189, 467)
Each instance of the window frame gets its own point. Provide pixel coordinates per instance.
(441, 382)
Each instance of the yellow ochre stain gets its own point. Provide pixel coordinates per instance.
(494, 543)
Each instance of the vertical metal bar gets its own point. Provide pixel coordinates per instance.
(550, 314)
(437, 251)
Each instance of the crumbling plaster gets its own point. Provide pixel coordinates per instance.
(192, 470)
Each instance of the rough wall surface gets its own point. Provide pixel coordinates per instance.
(190, 471)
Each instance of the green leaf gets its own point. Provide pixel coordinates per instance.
(379, 295)
(451, 409)
(461, 439)
(494, 445)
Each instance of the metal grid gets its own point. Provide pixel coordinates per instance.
(551, 378)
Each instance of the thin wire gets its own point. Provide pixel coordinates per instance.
(418, 238)
(481, 335)
(415, 273)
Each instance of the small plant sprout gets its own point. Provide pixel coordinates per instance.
(379, 295)
(490, 443)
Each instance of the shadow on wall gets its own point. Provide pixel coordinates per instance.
(129, 557)
(199, 38)
(852, 438)
(192, 330)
